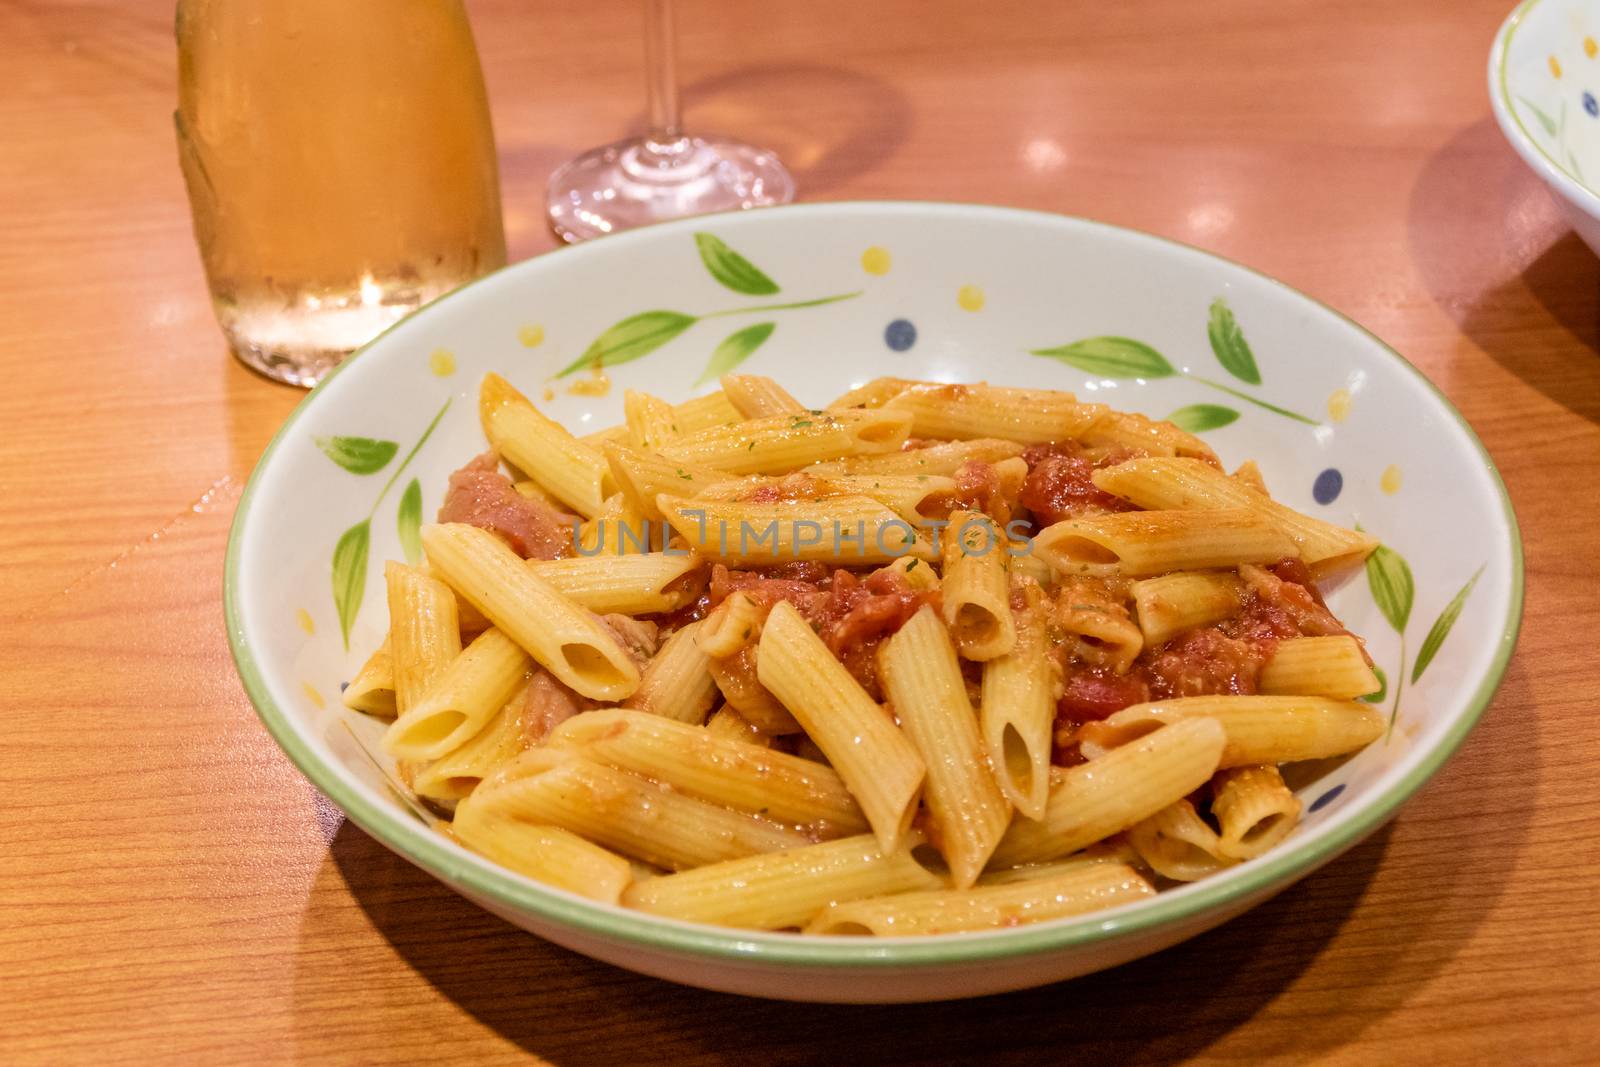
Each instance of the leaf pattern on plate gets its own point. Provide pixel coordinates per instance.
(735, 349)
(1229, 345)
(350, 574)
(409, 522)
(350, 553)
(358, 455)
(1442, 626)
(1111, 357)
(1383, 687)
(1198, 418)
(731, 269)
(635, 336)
(1389, 578)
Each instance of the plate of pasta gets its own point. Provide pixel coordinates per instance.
(873, 602)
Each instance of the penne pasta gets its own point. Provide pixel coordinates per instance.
(1172, 603)
(729, 725)
(878, 763)
(1141, 543)
(780, 443)
(1091, 887)
(458, 772)
(650, 420)
(922, 679)
(976, 588)
(544, 853)
(691, 416)
(460, 700)
(1017, 712)
(424, 631)
(1319, 666)
(643, 476)
(848, 529)
(1126, 785)
(1176, 483)
(757, 396)
(677, 682)
(372, 689)
(1124, 429)
(685, 716)
(873, 394)
(565, 639)
(627, 813)
(782, 889)
(944, 458)
(1254, 809)
(573, 472)
(1177, 844)
(1029, 416)
(644, 583)
(1259, 729)
(734, 774)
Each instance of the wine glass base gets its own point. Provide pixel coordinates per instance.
(637, 182)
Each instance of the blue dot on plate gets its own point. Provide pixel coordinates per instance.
(900, 335)
(1325, 490)
(1327, 798)
(1591, 105)
(343, 686)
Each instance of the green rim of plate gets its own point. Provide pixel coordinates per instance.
(401, 832)
(1500, 95)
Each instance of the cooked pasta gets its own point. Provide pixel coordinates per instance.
(935, 659)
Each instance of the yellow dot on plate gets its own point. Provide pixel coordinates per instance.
(1339, 405)
(442, 362)
(312, 695)
(875, 260)
(531, 336)
(1555, 66)
(1390, 482)
(1589, 47)
(549, 393)
(970, 297)
(303, 617)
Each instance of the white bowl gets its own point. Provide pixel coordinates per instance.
(1544, 84)
(937, 291)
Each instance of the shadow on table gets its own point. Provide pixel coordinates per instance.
(776, 107)
(574, 1011)
(1486, 235)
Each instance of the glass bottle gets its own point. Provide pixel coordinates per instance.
(340, 165)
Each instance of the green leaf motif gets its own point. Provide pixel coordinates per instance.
(635, 336)
(1228, 342)
(350, 574)
(1112, 357)
(732, 269)
(1545, 120)
(1389, 578)
(410, 522)
(735, 349)
(1441, 627)
(1198, 418)
(1383, 688)
(358, 455)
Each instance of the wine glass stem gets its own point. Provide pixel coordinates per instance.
(665, 142)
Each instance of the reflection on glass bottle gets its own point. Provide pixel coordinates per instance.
(340, 165)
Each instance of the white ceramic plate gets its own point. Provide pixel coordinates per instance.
(1341, 425)
(1544, 84)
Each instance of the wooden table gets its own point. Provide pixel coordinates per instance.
(174, 890)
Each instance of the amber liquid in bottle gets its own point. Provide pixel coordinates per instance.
(341, 168)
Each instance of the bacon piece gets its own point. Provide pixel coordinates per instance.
(1096, 692)
(1280, 608)
(479, 495)
(546, 704)
(1206, 662)
(1060, 486)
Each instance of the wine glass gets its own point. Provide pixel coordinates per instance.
(666, 174)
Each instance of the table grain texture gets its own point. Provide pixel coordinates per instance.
(172, 890)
